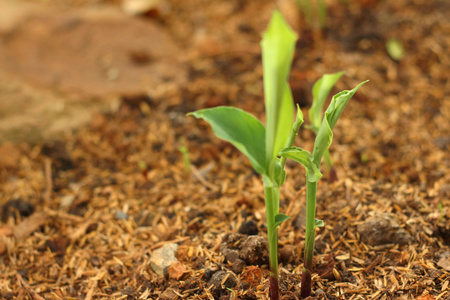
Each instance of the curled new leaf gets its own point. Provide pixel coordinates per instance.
(239, 128)
(280, 218)
(320, 92)
(338, 104)
(298, 119)
(304, 158)
(332, 114)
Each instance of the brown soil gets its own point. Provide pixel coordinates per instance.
(83, 215)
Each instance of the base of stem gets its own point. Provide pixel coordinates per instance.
(306, 284)
(274, 288)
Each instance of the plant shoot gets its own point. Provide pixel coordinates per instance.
(267, 147)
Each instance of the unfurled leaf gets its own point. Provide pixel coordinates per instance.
(280, 218)
(320, 92)
(318, 223)
(304, 158)
(277, 51)
(239, 128)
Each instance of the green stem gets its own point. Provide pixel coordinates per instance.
(272, 196)
(311, 189)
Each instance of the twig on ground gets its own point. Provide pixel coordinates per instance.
(28, 288)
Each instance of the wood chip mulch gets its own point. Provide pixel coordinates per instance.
(82, 216)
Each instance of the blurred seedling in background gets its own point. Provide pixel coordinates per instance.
(268, 147)
(184, 151)
(314, 11)
(315, 14)
(144, 168)
(395, 49)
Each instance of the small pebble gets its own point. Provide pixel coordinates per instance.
(162, 258)
(120, 215)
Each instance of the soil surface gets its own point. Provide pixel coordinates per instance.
(114, 211)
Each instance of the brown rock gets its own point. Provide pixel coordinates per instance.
(383, 228)
(60, 67)
(99, 46)
(255, 250)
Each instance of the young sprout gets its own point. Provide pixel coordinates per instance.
(311, 162)
(187, 162)
(395, 49)
(261, 144)
(315, 11)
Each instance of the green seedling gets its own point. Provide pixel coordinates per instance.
(144, 168)
(268, 147)
(321, 145)
(395, 49)
(321, 90)
(262, 144)
(313, 10)
(187, 162)
(364, 158)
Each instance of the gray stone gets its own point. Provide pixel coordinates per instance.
(120, 215)
(162, 258)
(382, 229)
